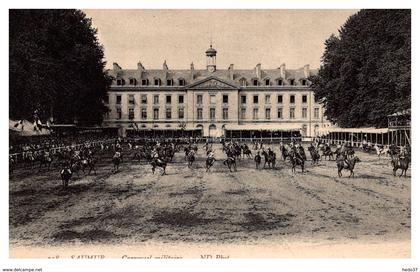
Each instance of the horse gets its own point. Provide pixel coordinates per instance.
(116, 160)
(229, 162)
(209, 163)
(157, 162)
(75, 167)
(301, 151)
(381, 150)
(326, 152)
(169, 153)
(190, 158)
(30, 158)
(88, 163)
(46, 160)
(349, 151)
(61, 156)
(393, 150)
(237, 151)
(66, 174)
(186, 151)
(137, 156)
(284, 152)
(270, 159)
(367, 147)
(247, 152)
(314, 154)
(295, 160)
(400, 163)
(348, 164)
(142, 154)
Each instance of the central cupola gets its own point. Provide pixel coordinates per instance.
(211, 59)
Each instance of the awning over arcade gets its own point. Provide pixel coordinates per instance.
(163, 128)
(266, 127)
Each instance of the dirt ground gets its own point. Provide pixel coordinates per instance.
(189, 206)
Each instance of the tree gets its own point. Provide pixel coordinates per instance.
(56, 66)
(365, 73)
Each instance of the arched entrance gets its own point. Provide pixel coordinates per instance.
(304, 130)
(201, 128)
(223, 130)
(316, 130)
(212, 130)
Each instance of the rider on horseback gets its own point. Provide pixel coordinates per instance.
(311, 147)
(301, 151)
(117, 154)
(403, 153)
(327, 147)
(230, 154)
(155, 155)
(295, 153)
(270, 152)
(191, 153)
(210, 154)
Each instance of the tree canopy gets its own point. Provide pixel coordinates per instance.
(56, 67)
(365, 71)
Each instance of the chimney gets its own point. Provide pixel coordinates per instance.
(165, 66)
(258, 70)
(306, 70)
(283, 70)
(140, 67)
(231, 72)
(115, 66)
(192, 71)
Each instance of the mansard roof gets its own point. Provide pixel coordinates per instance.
(193, 76)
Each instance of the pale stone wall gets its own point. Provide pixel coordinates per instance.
(309, 123)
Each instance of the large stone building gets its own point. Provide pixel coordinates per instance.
(214, 102)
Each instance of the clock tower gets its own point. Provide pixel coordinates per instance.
(211, 59)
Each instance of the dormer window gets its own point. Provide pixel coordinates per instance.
(255, 82)
(157, 82)
(181, 82)
(279, 82)
(242, 82)
(120, 81)
(292, 82)
(145, 82)
(169, 82)
(304, 82)
(133, 81)
(267, 82)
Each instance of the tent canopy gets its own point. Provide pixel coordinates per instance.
(26, 128)
(326, 130)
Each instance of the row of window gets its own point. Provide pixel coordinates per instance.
(225, 113)
(292, 99)
(143, 114)
(143, 99)
(182, 82)
(145, 82)
(267, 82)
(225, 99)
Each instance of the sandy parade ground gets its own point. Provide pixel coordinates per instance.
(189, 213)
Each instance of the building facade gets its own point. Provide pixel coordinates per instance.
(214, 102)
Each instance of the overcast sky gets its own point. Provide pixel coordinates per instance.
(241, 37)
